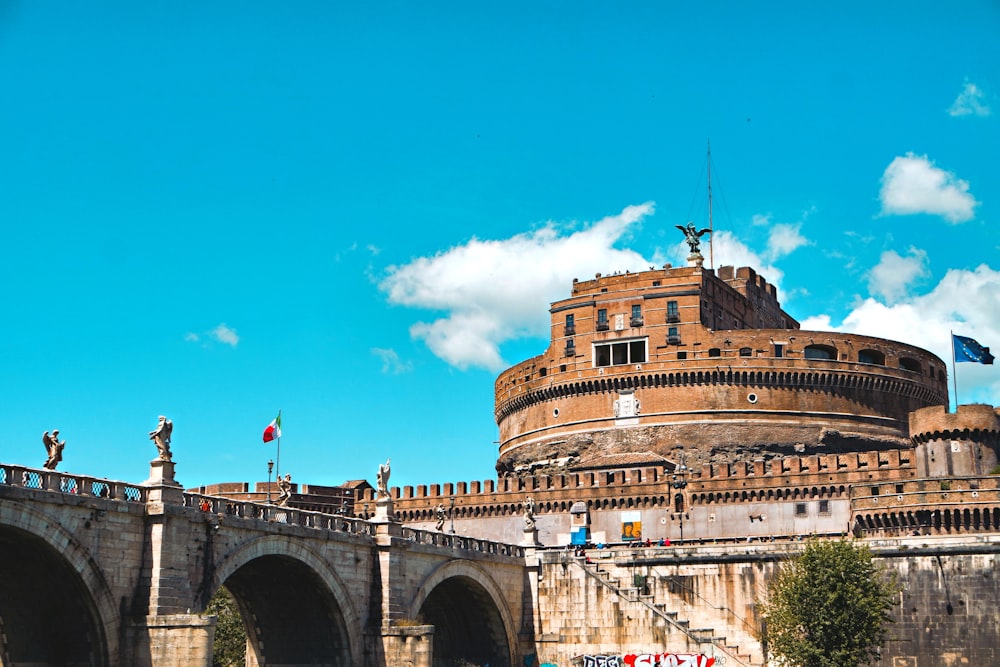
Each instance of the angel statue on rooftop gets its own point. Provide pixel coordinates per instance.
(692, 236)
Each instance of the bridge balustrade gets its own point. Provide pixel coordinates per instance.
(51, 480)
(277, 514)
(460, 542)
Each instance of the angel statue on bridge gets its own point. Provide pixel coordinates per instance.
(529, 513)
(161, 437)
(53, 448)
(382, 481)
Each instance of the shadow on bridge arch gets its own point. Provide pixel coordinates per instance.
(295, 609)
(472, 624)
(55, 606)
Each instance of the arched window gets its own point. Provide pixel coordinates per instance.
(909, 364)
(820, 352)
(871, 357)
(746, 352)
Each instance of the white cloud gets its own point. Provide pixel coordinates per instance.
(783, 239)
(391, 363)
(964, 302)
(970, 102)
(226, 335)
(894, 275)
(494, 291)
(912, 184)
(191, 337)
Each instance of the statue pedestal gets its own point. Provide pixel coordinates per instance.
(383, 510)
(161, 486)
(696, 259)
(530, 538)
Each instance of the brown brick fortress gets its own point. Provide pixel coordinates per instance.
(684, 358)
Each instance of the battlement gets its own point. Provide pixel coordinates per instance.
(746, 281)
(934, 422)
(783, 471)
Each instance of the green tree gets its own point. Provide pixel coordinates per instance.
(828, 607)
(230, 646)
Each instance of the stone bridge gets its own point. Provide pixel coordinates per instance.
(103, 573)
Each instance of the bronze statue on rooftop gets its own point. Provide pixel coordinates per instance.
(692, 236)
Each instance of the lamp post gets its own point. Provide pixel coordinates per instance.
(270, 469)
(679, 482)
(451, 513)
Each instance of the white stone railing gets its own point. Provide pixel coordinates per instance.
(53, 480)
(461, 542)
(226, 507)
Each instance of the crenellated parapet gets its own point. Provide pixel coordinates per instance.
(976, 421)
(965, 442)
(774, 479)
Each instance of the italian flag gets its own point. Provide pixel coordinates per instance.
(273, 429)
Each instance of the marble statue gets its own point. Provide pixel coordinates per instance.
(439, 515)
(529, 513)
(284, 490)
(53, 448)
(161, 437)
(382, 481)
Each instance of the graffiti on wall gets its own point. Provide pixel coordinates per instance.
(648, 660)
(669, 660)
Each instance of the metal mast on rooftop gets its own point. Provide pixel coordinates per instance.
(711, 232)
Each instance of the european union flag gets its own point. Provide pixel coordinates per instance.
(967, 349)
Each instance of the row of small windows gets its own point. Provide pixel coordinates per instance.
(636, 319)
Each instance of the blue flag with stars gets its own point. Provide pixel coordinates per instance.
(967, 349)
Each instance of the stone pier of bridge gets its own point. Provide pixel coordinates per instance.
(107, 573)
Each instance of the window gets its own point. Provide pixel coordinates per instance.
(899, 488)
(715, 352)
(620, 353)
(570, 325)
(570, 348)
(682, 355)
(746, 352)
(542, 372)
(779, 350)
(909, 364)
(636, 316)
(673, 315)
(602, 319)
(824, 507)
(800, 509)
(871, 357)
(820, 352)
(673, 336)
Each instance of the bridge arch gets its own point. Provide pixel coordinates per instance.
(295, 608)
(53, 587)
(470, 616)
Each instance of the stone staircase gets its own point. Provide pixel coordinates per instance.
(707, 638)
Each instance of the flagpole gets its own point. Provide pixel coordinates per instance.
(278, 457)
(954, 373)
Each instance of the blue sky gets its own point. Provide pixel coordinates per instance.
(359, 212)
